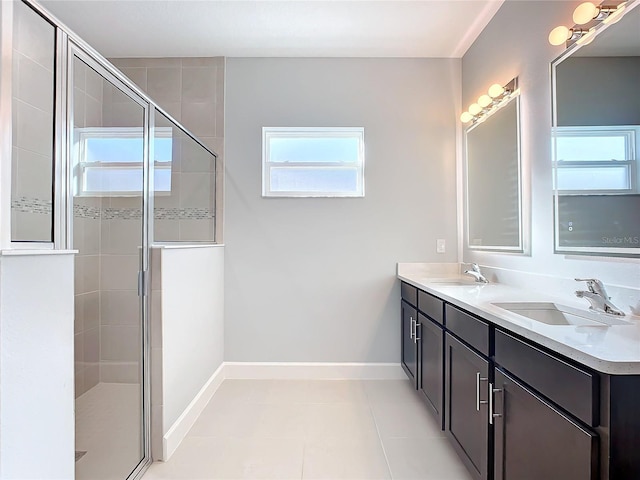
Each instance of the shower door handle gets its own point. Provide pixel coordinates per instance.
(142, 283)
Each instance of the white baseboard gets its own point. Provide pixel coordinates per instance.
(314, 371)
(174, 436)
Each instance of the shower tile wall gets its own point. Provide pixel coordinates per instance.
(107, 233)
(32, 112)
(192, 91)
(87, 112)
(120, 242)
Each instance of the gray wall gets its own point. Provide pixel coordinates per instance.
(314, 279)
(587, 105)
(502, 51)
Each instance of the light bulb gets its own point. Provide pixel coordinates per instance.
(496, 90)
(466, 117)
(484, 101)
(559, 35)
(585, 12)
(475, 109)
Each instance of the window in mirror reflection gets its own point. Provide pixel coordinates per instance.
(595, 159)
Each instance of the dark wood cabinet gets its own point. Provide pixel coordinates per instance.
(556, 419)
(466, 405)
(431, 376)
(409, 343)
(535, 440)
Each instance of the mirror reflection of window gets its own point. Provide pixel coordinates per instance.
(593, 159)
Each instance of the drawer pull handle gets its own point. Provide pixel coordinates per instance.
(478, 401)
(491, 414)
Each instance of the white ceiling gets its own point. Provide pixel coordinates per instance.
(281, 28)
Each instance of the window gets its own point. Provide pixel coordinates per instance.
(110, 161)
(312, 162)
(595, 159)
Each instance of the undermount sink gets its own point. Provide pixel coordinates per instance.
(554, 314)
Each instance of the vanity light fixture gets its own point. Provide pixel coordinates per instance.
(475, 109)
(587, 38)
(586, 13)
(496, 90)
(489, 102)
(562, 34)
(466, 117)
(485, 100)
(613, 17)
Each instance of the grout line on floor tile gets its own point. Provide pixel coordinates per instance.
(304, 450)
(384, 450)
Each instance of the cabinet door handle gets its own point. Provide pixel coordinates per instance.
(415, 336)
(411, 324)
(478, 401)
(491, 414)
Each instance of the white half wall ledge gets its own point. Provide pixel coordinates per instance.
(313, 371)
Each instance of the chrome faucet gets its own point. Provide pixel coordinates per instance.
(598, 298)
(475, 272)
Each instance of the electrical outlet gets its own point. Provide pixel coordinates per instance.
(440, 245)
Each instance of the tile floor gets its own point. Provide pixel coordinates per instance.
(313, 429)
(108, 428)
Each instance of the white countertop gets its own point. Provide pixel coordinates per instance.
(613, 349)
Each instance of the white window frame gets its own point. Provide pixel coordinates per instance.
(630, 134)
(81, 165)
(311, 132)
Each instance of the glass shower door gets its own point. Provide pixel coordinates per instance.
(107, 181)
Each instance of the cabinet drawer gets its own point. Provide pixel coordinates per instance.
(572, 388)
(470, 329)
(409, 294)
(430, 306)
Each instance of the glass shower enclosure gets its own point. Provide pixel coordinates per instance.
(99, 168)
(108, 217)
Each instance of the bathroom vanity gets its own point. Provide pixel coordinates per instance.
(521, 398)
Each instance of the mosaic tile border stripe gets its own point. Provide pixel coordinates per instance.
(32, 205)
(94, 213)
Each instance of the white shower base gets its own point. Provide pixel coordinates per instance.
(108, 428)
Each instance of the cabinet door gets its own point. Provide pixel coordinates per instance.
(409, 344)
(431, 378)
(534, 440)
(466, 405)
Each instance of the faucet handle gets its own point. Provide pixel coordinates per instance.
(594, 285)
(474, 267)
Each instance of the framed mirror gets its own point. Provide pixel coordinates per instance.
(596, 131)
(493, 182)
